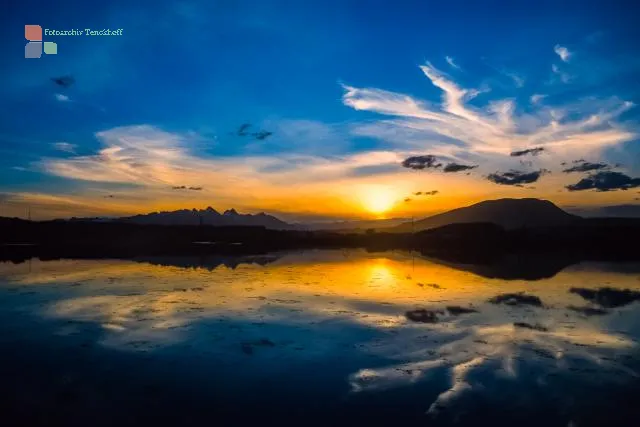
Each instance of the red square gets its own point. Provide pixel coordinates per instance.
(33, 33)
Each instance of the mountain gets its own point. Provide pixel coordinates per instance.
(508, 213)
(208, 216)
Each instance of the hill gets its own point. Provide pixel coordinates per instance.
(507, 213)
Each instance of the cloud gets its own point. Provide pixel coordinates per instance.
(184, 187)
(535, 326)
(408, 199)
(65, 146)
(426, 193)
(62, 98)
(455, 167)
(608, 297)
(516, 299)
(533, 151)
(537, 98)
(517, 80)
(64, 81)
(514, 177)
(451, 62)
(262, 135)
(588, 311)
(584, 166)
(454, 128)
(242, 130)
(605, 181)
(562, 52)
(426, 161)
(562, 75)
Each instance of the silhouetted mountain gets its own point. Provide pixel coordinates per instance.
(208, 216)
(508, 213)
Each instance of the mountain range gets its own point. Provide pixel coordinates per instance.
(508, 213)
(209, 216)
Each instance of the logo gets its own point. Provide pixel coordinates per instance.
(36, 46)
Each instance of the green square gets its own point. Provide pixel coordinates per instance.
(50, 48)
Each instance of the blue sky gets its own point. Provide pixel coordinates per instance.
(337, 82)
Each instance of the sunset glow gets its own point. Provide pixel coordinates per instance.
(378, 199)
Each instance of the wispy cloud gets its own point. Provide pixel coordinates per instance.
(517, 79)
(451, 62)
(65, 147)
(562, 75)
(62, 98)
(562, 52)
(457, 129)
(537, 98)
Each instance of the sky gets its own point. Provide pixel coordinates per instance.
(352, 107)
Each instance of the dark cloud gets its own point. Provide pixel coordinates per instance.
(456, 167)
(607, 297)
(263, 134)
(532, 151)
(426, 193)
(456, 310)
(423, 316)
(588, 311)
(407, 200)
(184, 187)
(64, 81)
(536, 327)
(242, 130)
(109, 196)
(431, 285)
(516, 299)
(427, 161)
(582, 166)
(514, 177)
(605, 181)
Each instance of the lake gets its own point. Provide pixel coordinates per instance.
(326, 337)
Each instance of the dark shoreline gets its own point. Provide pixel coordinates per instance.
(497, 251)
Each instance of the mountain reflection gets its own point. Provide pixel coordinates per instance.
(266, 312)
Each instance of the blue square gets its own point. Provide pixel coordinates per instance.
(33, 50)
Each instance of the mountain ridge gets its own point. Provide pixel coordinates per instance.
(509, 213)
(208, 216)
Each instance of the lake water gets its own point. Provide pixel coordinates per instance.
(318, 338)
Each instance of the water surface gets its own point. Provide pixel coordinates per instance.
(319, 337)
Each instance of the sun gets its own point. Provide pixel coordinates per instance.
(378, 199)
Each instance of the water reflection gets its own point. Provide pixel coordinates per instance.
(270, 315)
